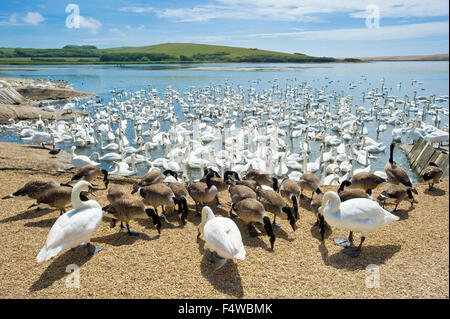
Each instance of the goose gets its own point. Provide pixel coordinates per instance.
(202, 192)
(252, 211)
(222, 237)
(346, 194)
(153, 176)
(180, 192)
(250, 183)
(310, 182)
(290, 189)
(115, 192)
(126, 208)
(262, 178)
(89, 173)
(396, 193)
(75, 226)
(58, 198)
(395, 174)
(216, 180)
(366, 181)
(432, 175)
(34, 188)
(159, 195)
(275, 204)
(82, 160)
(355, 215)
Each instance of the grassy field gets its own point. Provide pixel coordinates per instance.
(161, 53)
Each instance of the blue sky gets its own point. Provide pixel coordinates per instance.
(315, 27)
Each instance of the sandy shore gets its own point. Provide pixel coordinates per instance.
(412, 255)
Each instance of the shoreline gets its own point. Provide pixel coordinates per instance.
(173, 265)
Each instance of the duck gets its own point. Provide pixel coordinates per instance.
(432, 175)
(396, 193)
(396, 174)
(222, 236)
(355, 215)
(89, 173)
(73, 227)
(252, 211)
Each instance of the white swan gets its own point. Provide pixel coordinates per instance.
(355, 215)
(82, 160)
(222, 236)
(74, 227)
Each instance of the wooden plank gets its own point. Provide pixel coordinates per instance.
(422, 160)
(442, 162)
(417, 148)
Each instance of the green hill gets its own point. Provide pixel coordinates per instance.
(160, 53)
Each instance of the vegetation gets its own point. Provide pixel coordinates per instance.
(161, 53)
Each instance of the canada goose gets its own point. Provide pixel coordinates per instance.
(367, 181)
(262, 178)
(180, 192)
(115, 192)
(222, 237)
(237, 181)
(275, 204)
(395, 174)
(355, 215)
(152, 177)
(89, 173)
(396, 193)
(126, 208)
(74, 227)
(216, 180)
(58, 198)
(350, 193)
(432, 175)
(252, 211)
(35, 188)
(158, 195)
(310, 181)
(202, 192)
(290, 189)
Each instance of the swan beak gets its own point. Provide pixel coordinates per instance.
(91, 191)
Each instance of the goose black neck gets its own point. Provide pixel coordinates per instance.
(208, 179)
(171, 172)
(269, 230)
(391, 155)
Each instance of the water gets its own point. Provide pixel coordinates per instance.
(431, 77)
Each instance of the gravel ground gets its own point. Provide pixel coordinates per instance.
(412, 256)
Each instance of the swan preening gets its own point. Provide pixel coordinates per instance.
(361, 215)
(222, 237)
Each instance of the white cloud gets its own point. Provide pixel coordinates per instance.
(90, 23)
(409, 31)
(13, 18)
(137, 9)
(33, 18)
(296, 10)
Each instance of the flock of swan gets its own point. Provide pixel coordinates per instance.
(237, 146)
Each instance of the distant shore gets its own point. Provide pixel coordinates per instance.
(432, 57)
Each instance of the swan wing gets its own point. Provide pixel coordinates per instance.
(224, 237)
(73, 226)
